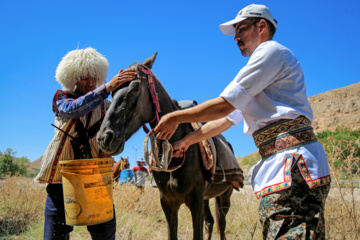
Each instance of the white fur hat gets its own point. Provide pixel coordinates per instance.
(81, 63)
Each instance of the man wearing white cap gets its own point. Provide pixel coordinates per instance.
(140, 173)
(293, 177)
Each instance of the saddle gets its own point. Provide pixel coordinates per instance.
(217, 156)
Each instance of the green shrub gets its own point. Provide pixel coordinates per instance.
(342, 146)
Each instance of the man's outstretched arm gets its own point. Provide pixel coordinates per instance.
(210, 129)
(210, 110)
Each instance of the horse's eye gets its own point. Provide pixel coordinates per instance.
(125, 85)
(120, 117)
(135, 85)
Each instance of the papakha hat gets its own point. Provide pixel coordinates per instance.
(253, 10)
(81, 63)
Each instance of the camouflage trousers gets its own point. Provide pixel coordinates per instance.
(294, 213)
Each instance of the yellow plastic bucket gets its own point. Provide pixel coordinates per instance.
(87, 171)
(88, 192)
(81, 171)
(86, 162)
(64, 167)
(80, 167)
(88, 199)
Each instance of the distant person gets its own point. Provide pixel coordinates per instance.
(292, 179)
(140, 173)
(79, 108)
(126, 175)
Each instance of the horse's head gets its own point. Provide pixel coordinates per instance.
(131, 108)
(125, 160)
(124, 163)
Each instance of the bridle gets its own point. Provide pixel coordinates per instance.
(164, 148)
(152, 89)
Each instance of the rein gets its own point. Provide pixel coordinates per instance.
(164, 148)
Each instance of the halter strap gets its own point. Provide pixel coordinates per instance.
(155, 99)
(153, 92)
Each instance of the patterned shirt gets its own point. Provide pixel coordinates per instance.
(74, 104)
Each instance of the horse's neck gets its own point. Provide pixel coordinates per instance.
(167, 105)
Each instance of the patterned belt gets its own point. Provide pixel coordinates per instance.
(284, 135)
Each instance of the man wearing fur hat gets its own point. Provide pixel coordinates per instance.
(292, 179)
(79, 108)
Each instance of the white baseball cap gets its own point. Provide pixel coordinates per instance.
(253, 10)
(140, 159)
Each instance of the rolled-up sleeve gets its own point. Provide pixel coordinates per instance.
(235, 117)
(265, 66)
(236, 95)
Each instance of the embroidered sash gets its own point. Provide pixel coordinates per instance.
(284, 135)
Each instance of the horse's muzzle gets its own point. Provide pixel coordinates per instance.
(105, 140)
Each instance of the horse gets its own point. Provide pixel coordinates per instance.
(133, 107)
(119, 166)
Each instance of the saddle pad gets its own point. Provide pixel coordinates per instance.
(207, 149)
(219, 166)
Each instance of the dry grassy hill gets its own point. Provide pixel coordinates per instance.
(337, 107)
(34, 165)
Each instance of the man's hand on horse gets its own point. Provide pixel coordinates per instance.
(179, 148)
(166, 127)
(119, 79)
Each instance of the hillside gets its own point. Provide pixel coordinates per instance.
(337, 107)
(34, 165)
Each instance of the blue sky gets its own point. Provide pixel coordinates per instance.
(195, 60)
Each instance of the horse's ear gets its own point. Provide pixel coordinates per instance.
(150, 61)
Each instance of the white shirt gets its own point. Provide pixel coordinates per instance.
(140, 174)
(269, 88)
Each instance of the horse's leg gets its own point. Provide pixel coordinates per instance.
(209, 220)
(222, 205)
(171, 214)
(196, 207)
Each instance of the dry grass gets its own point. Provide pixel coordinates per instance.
(343, 204)
(140, 217)
(21, 205)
